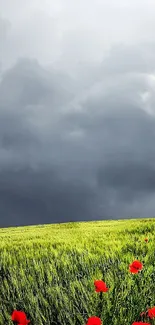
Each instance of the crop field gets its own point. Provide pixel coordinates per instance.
(48, 271)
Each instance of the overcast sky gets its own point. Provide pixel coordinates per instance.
(77, 110)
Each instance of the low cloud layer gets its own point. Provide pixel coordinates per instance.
(76, 135)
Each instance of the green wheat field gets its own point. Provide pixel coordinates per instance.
(48, 271)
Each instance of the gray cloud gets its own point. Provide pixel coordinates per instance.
(30, 197)
(77, 121)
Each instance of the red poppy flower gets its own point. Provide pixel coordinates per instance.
(135, 267)
(151, 313)
(19, 317)
(146, 240)
(140, 323)
(94, 321)
(100, 286)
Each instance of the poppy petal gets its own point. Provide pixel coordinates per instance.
(94, 321)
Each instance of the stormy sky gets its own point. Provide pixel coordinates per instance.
(77, 110)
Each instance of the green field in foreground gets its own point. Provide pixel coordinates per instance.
(49, 271)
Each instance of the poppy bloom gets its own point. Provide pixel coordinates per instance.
(140, 323)
(151, 313)
(146, 240)
(19, 317)
(135, 267)
(100, 286)
(94, 321)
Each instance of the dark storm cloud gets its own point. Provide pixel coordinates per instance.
(30, 197)
(131, 177)
(75, 153)
(32, 186)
